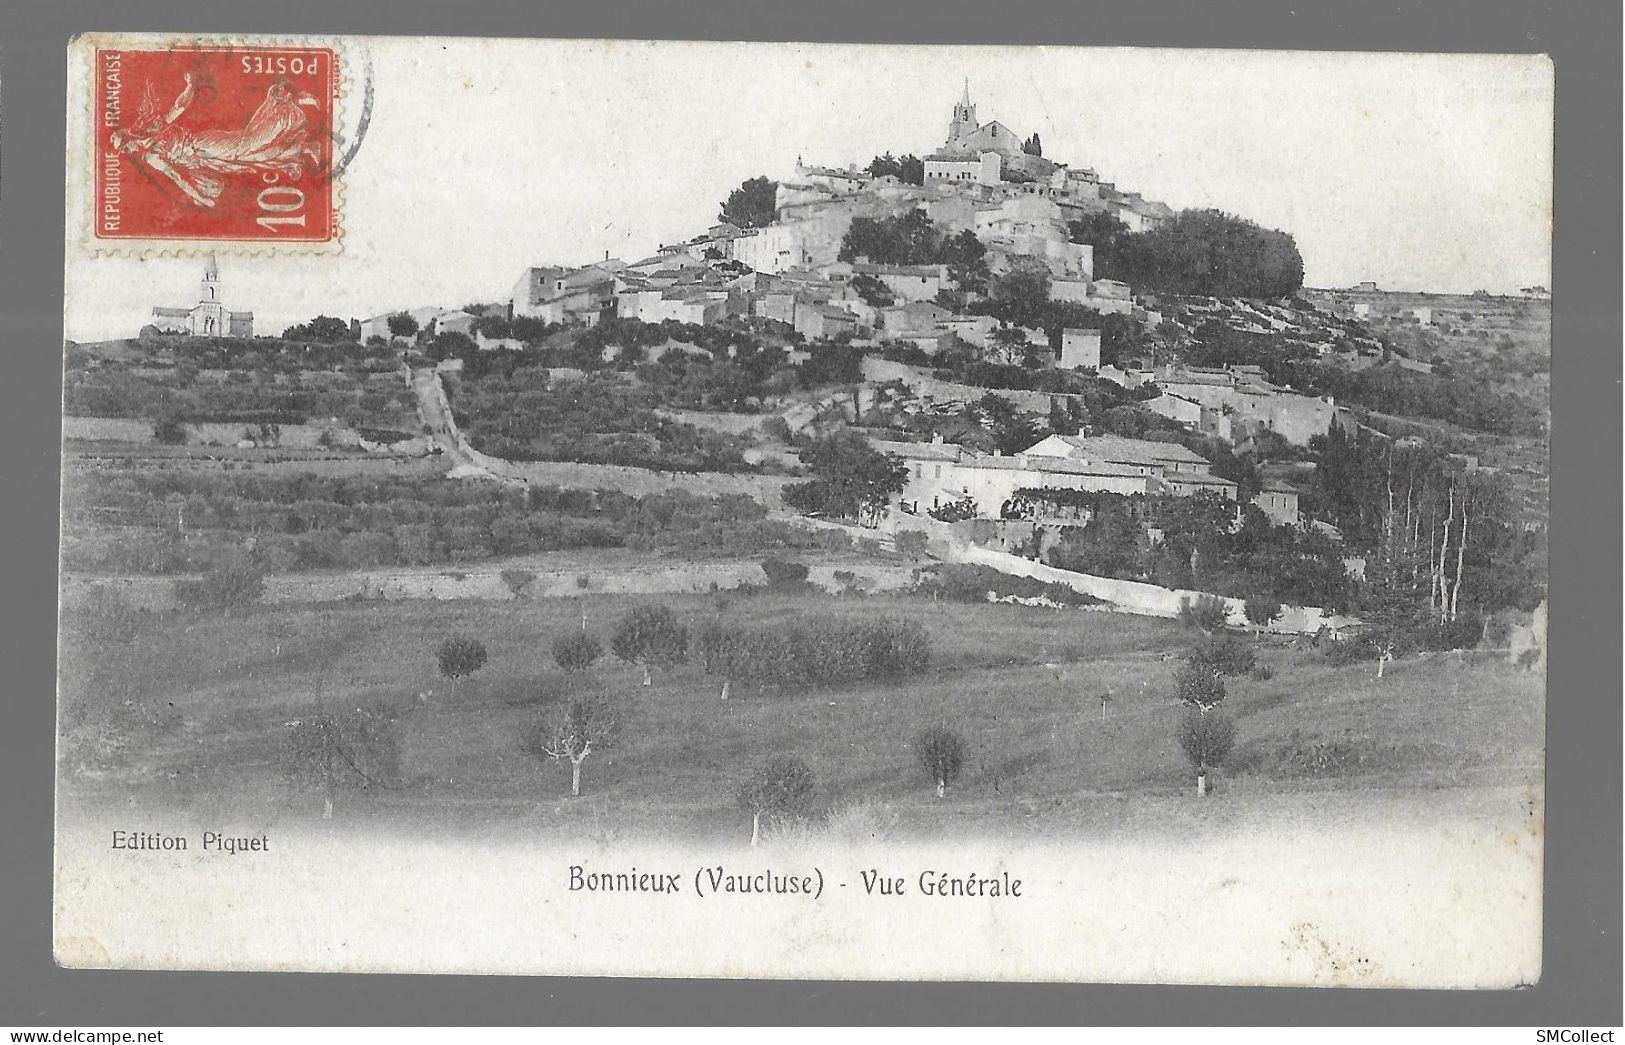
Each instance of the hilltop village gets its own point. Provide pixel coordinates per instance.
(961, 314)
(987, 182)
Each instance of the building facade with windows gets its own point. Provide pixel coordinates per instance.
(209, 317)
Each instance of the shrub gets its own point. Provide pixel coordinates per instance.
(170, 428)
(942, 752)
(817, 651)
(892, 648)
(232, 582)
(1342, 653)
(1226, 654)
(955, 511)
(518, 580)
(576, 651)
(783, 575)
(776, 428)
(1263, 672)
(911, 543)
(1207, 612)
(1298, 755)
(851, 582)
(969, 582)
(1465, 632)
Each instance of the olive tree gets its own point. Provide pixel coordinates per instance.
(328, 751)
(576, 651)
(715, 645)
(1206, 740)
(573, 730)
(779, 792)
(459, 656)
(651, 636)
(942, 752)
(402, 325)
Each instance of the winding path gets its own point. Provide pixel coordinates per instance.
(435, 411)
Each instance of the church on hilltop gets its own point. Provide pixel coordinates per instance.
(207, 318)
(968, 138)
(986, 153)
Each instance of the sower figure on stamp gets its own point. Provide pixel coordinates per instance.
(276, 140)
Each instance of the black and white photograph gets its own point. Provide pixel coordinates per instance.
(853, 512)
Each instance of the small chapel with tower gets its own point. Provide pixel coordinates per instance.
(209, 317)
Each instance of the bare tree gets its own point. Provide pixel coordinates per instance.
(331, 750)
(572, 731)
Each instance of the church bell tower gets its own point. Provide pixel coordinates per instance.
(208, 318)
(964, 121)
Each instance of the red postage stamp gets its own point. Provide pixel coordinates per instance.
(230, 143)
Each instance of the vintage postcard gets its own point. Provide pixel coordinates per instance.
(804, 511)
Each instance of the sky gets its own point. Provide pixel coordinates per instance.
(1421, 172)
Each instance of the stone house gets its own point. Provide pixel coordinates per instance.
(1080, 350)
(1279, 503)
(940, 473)
(1187, 412)
(817, 321)
(556, 295)
(963, 169)
(1146, 456)
(914, 318)
(378, 326)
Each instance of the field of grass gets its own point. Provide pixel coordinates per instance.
(1020, 683)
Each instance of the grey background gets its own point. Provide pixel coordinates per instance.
(1581, 981)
